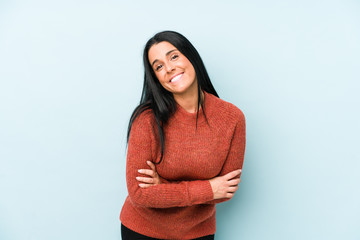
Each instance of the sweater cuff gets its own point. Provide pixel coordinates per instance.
(200, 191)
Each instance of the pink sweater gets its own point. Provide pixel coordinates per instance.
(182, 206)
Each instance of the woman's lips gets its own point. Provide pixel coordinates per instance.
(176, 78)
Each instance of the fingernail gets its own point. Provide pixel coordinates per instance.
(148, 162)
(137, 178)
(140, 170)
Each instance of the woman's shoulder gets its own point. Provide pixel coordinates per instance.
(225, 109)
(145, 116)
(144, 120)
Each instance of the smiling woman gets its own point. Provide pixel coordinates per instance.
(173, 70)
(185, 147)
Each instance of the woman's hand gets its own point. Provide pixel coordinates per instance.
(154, 178)
(225, 186)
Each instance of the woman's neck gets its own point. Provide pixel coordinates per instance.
(189, 102)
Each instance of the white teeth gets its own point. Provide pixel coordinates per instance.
(176, 78)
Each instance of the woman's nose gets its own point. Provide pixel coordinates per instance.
(169, 67)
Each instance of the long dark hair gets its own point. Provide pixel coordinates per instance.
(154, 96)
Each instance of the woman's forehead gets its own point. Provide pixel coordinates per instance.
(160, 50)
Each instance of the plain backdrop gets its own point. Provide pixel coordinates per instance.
(71, 74)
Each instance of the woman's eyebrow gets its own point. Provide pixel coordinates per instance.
(167, 54)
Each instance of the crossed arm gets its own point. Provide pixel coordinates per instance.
(223, 187)
(153, 191)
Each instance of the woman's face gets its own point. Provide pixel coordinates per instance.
(173, 70)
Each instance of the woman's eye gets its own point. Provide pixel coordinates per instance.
(158, 67)
(175, 56)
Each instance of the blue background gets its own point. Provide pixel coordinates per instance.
(71, 74)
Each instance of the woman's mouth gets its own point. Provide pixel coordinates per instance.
(176, 78)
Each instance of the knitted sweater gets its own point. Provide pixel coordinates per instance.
(182, 206)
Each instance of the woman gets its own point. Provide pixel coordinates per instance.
(185, 147)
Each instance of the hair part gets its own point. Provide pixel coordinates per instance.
(155, 97)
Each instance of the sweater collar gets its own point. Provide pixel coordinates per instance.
(190, 118)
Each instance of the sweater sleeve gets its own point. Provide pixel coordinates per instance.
(171, 194)
(235, 158)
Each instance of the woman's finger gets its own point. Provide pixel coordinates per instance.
(147, 172)
(145, 185)
(234, 182)
(145, 179)
(232, 174)
(229, 195)
(151, 165)
(233, 189)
